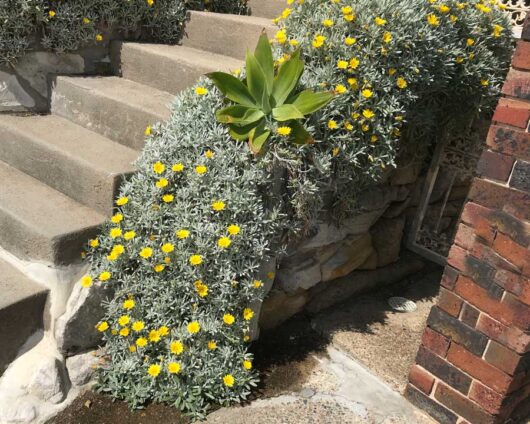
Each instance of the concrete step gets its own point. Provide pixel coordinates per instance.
(73, 160)
(177, 67)
(22, 304)
(111, 106)
(267, 8)
(40, 223)
(229, 35)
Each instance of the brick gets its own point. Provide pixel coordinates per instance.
(495, 165)
(521, 57)
(477, 217)
(510, 281)
(462, 405)
(512, 112)
(520, 178)
(509, 141)
(443, 370)
(513, 252)
(449, 302)
(488, 399)
(520, 311)
(449, 277)
(495, 196)
(511, 337)
(525, 34)
(469, 315)
(518, 230)
(439, 412)
(525, 294)
(491, 257)
(517, 84)
(502, 358)
(456, 257)
(435, 342)
(421, 379)
(479, 368)
(465, 236)
(457, 331)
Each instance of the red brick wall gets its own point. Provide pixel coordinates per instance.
(473, 365)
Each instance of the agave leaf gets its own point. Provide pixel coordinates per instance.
(299, 134)
(232, 88)
(264, 57)
(238, 114)
(242, 132)
(308, 101)
(256, 82)
(258, 137)
(286, 112)
(287, 78)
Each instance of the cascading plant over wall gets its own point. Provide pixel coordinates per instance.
(185, 250)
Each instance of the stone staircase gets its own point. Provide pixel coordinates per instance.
(60, 172)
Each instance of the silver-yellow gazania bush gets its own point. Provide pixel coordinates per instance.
(194, 224)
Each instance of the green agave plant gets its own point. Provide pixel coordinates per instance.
(267, 96)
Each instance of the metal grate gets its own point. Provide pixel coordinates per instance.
(518, 10)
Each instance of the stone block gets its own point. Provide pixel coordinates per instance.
(81, 367)
(386, 237)
(279, 306)
(49, 382)
(302, 275)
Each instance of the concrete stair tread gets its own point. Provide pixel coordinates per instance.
(73, 141)
(267, 9)
(15, 286)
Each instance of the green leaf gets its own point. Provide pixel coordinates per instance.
(256, 82)
(286, 113)
(300, 135)
(232, 88)
(263, 55)
(241, 132)
(308, 101)
(258, 137)
(238, 115)
(287, 78)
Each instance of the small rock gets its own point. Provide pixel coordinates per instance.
(81, 368)
(88, 404)
(386, 238)
(305, 276)
(48, 381)
(307, 393)
(19, 410)
(354, 252)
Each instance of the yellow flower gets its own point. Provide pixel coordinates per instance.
(154, 370)
(228, 319)
(124, 320)
(392, 71)
(348, 126)
(94, 243)
(257, 284)
(194, 327)
(233, 229)
(368, 113)
(86, 281)
(146, 252)
(202, 289)
(350, 41)
(224, 242)
(332, 125)
(168, 248)
(284, 131)
(201, 91)
(173, 367)
(112, 256)
(117, 218)
(154, 336)
(114, 332)
(373, 138)
(141, 342)
(318, 41)
(195, 259)
(178, 167)
(182, 234)
(367, 93)
(247, 365)
(248, 314)
(122, 201)
(380, 21)
(432, 19)
(350, 17)
(212, 345)
(115, 232)
(161, 183)
(335, 151)
(459, 59)
(138, 326)
(128, 304)
(163, 331)
(150, 2)
(281, 36)
(159, 167)
(443, 8)
(99, 37)
(124, 332)
(293, 43)
(129, 235)
(453, 18)
(176, 348)
(387, 37)
(132, 348)
(209, 154)
(340, 89)
(103, 326)
(484, 82)
(497, 30)
(246, 338)
(118, 250)
(353, 83)
(365, 127)
(342, 64)
(470, 41)
(51, 13)
(159, 268)
(148, 130)
(228, 380)
(346, 10)
(86, 21)
(401, 83)
(218, 205)
(286, 12)
(327, 23)
(201, 169)
(104, 276)
(354, 63)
